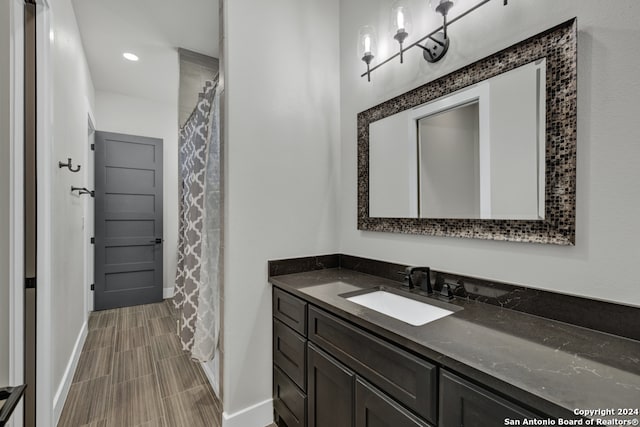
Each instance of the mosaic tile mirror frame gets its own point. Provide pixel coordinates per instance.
(559, 46)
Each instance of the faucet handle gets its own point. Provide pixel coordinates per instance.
(446, 293)
(425, 278)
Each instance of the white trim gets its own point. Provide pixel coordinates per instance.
(65, 384)
(484, 127)
(88, 228)
(167, 293)
(258, 415)
(44, 362)
(541, 66)
(16, 221)
(211, 369)
(479, 92)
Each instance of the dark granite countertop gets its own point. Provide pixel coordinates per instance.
(547, 365)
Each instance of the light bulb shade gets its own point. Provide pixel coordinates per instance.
(367, 42)
(400, 18)
(441, 6)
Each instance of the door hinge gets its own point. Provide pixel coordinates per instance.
(93, 147)
(93, 240)
(93, 287)
(30, 282)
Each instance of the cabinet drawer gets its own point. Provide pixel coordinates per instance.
(288, 401)
(290, 310)
(374, 409)
(403, 376)
(463, 404)
(289, 353)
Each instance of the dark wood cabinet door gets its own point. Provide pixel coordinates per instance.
(374, 409)
(463, 404)
(330, 391)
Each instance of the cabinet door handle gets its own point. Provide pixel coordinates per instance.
(157, 241)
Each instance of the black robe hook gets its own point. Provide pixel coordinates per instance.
(82, 190)
(69, 165)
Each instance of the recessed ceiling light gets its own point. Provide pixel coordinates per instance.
(130, 56)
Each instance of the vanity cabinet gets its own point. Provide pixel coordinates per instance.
(338, 397)
(289, 402)
(289, 353)
(331, 387)
(375, 409)
(290, 310)
(463, 404)
(330, 373)
(289, 360)
(408, 379)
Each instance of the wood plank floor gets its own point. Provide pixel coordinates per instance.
(133, 372)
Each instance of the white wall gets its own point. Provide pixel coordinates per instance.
(282, 172)
(603, 262)
(5, 71)
(72, 98)
(137, 116)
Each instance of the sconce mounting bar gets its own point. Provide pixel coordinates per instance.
(428, 36)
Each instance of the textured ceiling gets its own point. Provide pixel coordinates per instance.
(153, 30)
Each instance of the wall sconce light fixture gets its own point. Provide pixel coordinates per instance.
(436, 43)
(400, 24)
(367, 44)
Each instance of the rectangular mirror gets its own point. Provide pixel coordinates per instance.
(487, 151)
(474, 154)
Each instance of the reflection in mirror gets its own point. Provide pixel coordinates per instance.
(475, 154)
(393, 165)
(449, 153)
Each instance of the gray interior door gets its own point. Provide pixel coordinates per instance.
(128, 220)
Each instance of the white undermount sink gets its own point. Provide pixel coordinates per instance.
(408, 310)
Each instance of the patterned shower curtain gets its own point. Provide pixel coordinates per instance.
(198, 277)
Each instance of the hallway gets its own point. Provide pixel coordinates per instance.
(132, 372)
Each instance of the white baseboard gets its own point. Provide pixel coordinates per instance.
(259, 415)
(211, 369)
(65, 384)
(167, 293)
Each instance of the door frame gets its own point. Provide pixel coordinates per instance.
(44, 363)
(89, 220)
(44, 401)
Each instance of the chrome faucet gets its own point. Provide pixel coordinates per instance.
(424, 281)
